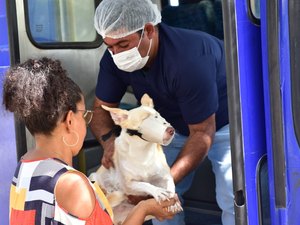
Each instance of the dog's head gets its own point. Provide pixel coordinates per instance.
(143, 121)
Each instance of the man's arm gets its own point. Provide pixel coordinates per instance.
(101, 124)
(195, 149)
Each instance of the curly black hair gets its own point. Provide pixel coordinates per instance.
(40, 93)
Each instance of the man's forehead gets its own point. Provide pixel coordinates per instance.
(115, 41)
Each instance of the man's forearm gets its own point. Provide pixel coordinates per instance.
(101, 124)
(192, 154)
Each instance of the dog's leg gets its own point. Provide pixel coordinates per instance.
(168, 183)
(159, 194)
(142, 188)
(171, 187)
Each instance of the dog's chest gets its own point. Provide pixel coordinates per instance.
(142, 169)
(140, 161)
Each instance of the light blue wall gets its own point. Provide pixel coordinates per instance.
(8, 158)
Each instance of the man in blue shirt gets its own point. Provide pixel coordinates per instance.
(183, 71)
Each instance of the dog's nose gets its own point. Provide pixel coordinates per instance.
(170, 130)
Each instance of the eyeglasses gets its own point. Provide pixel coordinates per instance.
(87, 115)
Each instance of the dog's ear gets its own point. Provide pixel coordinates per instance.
(147, 101)
(118, 115)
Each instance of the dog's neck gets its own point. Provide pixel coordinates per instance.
(132, 132)
(116, 131)
(133, 144)
(133, 137)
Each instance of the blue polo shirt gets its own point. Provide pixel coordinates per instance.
(187, 80)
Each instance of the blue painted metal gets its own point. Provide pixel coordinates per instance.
(292, 148)
(263, 11)
(288, 215)
(252, 104)
(8, 158)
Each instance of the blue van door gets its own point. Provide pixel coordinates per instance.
(8, 151)
(246, 106)
(280, 45)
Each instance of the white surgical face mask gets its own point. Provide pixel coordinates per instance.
(131, 59)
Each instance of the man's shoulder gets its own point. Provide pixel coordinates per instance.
(185, 42)
(177, 32)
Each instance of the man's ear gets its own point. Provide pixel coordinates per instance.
(150, 30)
(119, 116)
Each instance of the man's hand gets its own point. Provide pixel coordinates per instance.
(109, 148)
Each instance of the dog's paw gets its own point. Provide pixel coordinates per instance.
(176, 208)
(161, 194)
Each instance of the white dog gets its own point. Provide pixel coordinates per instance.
(140, 166)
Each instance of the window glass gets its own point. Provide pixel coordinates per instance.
(53, 21)
(194, 14)
(174, 2)
(255, 8)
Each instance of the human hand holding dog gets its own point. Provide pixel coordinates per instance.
(134, 199)
(151, 207)
(162, 210)
(108, 153)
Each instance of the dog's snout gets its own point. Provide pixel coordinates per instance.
(168, 135)
(170, 130)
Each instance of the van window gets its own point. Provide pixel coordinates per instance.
(255, 8)
(60, 21)
(203, 15)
